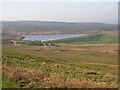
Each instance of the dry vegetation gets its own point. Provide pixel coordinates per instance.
(30, 78)
(67, 66)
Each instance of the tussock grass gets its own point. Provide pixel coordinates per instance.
(72, 65)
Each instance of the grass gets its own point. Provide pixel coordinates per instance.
(94, 38)
(8, 84)
(67, 65)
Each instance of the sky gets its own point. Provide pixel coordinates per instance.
(104, 12)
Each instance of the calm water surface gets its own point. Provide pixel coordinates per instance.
(50, 37)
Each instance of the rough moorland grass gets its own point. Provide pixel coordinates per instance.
(24, 77)
(68, 61)
(67, 65)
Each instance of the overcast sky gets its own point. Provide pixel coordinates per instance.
(105, 12)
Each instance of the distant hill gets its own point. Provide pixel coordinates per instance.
(48, 27)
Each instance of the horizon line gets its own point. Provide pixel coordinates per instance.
(59, 21)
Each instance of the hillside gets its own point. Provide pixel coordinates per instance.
(65, 66)
(47, 27)
(13, 30)
(92, 38)
(68, 64)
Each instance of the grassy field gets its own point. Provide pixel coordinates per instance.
(93, 64)
(94, 38)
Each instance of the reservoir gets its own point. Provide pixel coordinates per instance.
(48, 37)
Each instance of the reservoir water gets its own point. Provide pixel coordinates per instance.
(50, 36)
